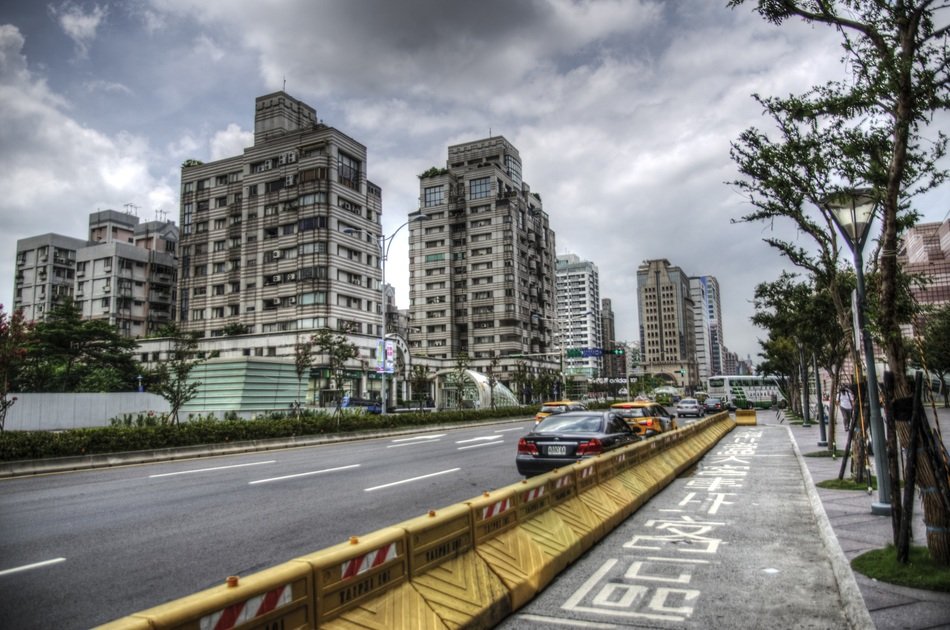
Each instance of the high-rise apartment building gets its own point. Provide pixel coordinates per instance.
(123, 273)
(578, 315)
(667, 339)
(701, 329)
(714, 314)
(45, 273)
(284, 237)
(482, 267)
(925, 251)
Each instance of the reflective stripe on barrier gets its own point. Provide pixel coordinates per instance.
(449, 575)
(587, 526)
(365, 583)
(508, 550)
(281, 595)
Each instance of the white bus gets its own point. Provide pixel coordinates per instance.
(744, 392)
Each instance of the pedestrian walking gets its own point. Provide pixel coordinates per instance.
(846, 405)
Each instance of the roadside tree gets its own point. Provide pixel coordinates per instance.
(14, 331)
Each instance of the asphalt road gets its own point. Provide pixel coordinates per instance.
(84, 548)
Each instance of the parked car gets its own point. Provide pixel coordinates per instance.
(689, 407)
(713, 405)
(562, 439)
(646, 418)
(558, 406)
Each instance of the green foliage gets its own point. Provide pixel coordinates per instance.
(435, 171)
(123, 436)
(66, 353)
(141, 419)
(920, 572)
(173, 375)
(235, 329)
(14, 332)
(458, 378)
(191, 162)
(933, 352)
(337, 348)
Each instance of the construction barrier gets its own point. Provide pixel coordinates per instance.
(467, 565)
(745, 417)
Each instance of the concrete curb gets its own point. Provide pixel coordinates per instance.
(855, 609)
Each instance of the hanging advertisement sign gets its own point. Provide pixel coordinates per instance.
(385, 359)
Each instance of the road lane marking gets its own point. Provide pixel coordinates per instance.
(462, 448)
(413, 443)
(479, 439)
(431, 436)
(200, 470)
(507, 430)
(574, 623)
(396, 483)
(306, 474)
(35, 565)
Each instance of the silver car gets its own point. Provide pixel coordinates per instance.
(690, 407)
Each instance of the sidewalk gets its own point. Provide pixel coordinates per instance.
(858, 531)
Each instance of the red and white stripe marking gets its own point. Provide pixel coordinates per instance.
(358, 566)
(496, 508)
(587, 472)
(563, 482)
(248, 610)
(533, 494)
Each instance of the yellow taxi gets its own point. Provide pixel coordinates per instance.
(646, 417)
(558, 406)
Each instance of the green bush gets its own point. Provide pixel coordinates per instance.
(145, 433)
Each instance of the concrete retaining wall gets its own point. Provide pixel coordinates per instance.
(56, 412)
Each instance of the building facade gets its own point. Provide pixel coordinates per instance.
(667, 339)
(578, 316)
(615, 364)
(482, 267)
(701, 329)
(925, 251)
(124, 273)
(284, 237)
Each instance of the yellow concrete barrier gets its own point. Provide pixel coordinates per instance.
(586, 525)
(547, 529)
(745, 417)
(278, 597)
(593, 496)
(448, 574)
(364, 583)
(509, 551)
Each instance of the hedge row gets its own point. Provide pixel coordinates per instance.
(24, 445)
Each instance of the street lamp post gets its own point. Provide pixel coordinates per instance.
(853, 211)
(384, 243)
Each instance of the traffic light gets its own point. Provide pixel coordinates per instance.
(619, 351)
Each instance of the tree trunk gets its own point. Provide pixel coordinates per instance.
(933, 483)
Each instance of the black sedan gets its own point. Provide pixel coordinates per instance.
(563, 439)
(713, 405)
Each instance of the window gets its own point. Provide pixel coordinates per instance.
(220, 202)
(350, 206)
(316, 297)
(479, 188)
(433, 196)
(312, 198)
(435, 257)
(217, 289)
(219, 246)
(348, 171)
(197, 314)
(312, 223)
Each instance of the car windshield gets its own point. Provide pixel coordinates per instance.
(689, 401)
(712, 401)
(575, 424)
(551, 408)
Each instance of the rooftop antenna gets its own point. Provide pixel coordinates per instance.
(160, 214)
(131, 208)
(285, 83)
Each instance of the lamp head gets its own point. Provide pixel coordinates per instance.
(853, 211)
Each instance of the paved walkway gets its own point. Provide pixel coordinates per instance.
(858, 531)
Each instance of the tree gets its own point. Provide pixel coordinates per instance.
(420, 384)
(934, 351)
(70, 354)
(14, 331)
(303, 359)
(492, 379)
(174, 382)
(458, 377)
(867, 131)
(338, 350)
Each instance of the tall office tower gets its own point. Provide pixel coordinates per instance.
(667, 339)
(697, 289)
(124, 273)
(578, 315)
(127, 275)
(285, 236)
(714, 314)
(45, 273)
(482, 267)
(615, 364)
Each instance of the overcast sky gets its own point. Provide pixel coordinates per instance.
(623, 113)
